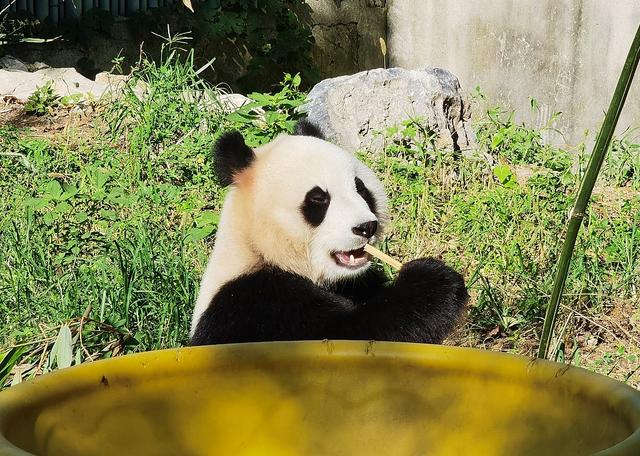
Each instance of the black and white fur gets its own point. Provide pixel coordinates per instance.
(288, 261)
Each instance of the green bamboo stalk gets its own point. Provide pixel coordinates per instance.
(586, 187)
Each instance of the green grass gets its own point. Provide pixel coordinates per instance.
(106, 228)
(504, 232)
(87, 227)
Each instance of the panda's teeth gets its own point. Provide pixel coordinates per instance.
(352, 260)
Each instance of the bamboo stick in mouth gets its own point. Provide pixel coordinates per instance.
(371, 250)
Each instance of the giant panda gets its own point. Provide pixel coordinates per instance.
(288, 260)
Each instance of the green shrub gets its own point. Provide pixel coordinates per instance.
(622, 166)
(42, 100)
(268, 115)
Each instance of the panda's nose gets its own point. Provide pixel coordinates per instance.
(366, 229)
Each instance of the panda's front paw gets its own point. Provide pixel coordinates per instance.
(431, 274)
(418, 269)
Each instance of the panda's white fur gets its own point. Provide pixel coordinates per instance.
(261, 222)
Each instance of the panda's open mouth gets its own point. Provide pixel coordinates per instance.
(352, 258)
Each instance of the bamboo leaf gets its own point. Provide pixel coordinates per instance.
(8, 360)
(63, 348)
(188, 4)
(206, 65)
(17, 378)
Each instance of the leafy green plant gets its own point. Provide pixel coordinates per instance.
(269, 114)
(616, 359)
(85, 232)
(42, 100)
(622, 166)
(505, 176)
(501, 136)
(413, 135)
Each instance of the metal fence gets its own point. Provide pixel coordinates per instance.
(56, 11)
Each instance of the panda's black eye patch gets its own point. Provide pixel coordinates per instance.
(315, 205)
(366, 195)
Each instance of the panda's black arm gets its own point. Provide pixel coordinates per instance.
(269, 305)
(423, 304)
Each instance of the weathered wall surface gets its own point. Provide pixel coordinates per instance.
(347, 34)
(567, 55)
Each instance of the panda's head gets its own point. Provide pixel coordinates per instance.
(301, 203)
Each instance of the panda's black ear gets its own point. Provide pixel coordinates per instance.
(231, 156)
(306, 128)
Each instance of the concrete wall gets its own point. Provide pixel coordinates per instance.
(566, 54)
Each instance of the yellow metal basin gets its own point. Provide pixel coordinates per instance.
(320, 398)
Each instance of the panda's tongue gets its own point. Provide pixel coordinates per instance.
(353, 258)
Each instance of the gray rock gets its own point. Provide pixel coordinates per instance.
(350, 110)
(12, 64)
(66, 81)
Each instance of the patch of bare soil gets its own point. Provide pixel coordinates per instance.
(77, 117)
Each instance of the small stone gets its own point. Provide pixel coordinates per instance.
(10, 63)
(35, 66)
